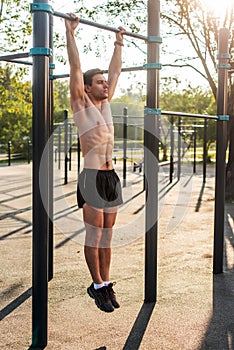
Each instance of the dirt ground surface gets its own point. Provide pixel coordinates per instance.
(194, 308)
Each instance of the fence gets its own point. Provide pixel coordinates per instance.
(6, 155)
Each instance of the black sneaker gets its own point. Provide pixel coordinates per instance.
(101, 297)
(112, 295)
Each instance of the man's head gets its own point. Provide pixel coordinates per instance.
(88, 76)
(95, 85)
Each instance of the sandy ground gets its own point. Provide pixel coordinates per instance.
(194, 308)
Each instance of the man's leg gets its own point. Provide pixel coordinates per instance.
(93, 219)
(105, 243)
(105, 253)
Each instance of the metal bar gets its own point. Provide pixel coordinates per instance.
(27, 63)
(100, 26)
(105, 71)
(125, 116)
(181, 114)
(172, 150)
(14, 56)
(65, 146)
(9, 152)
(78, 155)
(179, 148)
(40, 184)
(194, 147)
(29, 148)
(221, 143)
(151, 153)
(51, 163)
(70, 146)
(59, 147)
(204, 150)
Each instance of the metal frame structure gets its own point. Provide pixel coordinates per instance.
(42, 105)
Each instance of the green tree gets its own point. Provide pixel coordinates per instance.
(15, 25)
(189, 100)
(15, 110)
(61, 100)
(191, 20)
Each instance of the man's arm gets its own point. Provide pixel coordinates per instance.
(115, 64)
(76, 76)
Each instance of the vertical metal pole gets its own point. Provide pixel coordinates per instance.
(125, 116)
(221, 144)
(70, 148)
(204, 150)
(65, 145)
(9, 152)
(59, 147)
(29, 147)
(172, 150)
(40, 189)
(179, 148)
(51, 159)
(194, 146)
(151, 151)
(78, 155)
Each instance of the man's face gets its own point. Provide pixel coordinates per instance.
(99, 87)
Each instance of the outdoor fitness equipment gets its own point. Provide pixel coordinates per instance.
(42, 125)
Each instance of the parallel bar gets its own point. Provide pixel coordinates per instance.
(101, 26)
(181, 114)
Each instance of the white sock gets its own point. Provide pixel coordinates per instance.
(106, 283)
(98, 285)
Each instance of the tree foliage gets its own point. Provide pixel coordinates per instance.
(192, 20)
(15, 25)
(15, 110)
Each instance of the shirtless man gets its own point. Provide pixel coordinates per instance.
(99, 190)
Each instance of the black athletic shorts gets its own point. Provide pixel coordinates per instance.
(99, 188)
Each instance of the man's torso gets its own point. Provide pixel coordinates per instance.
(96, 134)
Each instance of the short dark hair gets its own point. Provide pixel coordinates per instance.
(89, 74)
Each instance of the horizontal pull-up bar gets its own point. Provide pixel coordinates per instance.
(181, 114)
(47, 8)
(101, 26)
